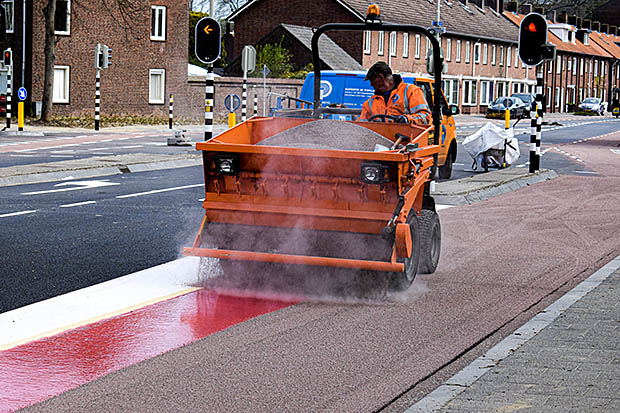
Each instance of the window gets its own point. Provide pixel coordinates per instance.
(405, 45)
(392, 43)
(558, 64)
(501, 55)
(574, 65)
(508, 56)
(477, 53)
(9, 13)
(451, 90)
(458, 51)
(61, 84)
(467, 52)
(469, 92)
(448, 49)
(367, 37)
(157, 84)
(381, 43)
(581, 68)
(516, 57)
(486, 92)
(428, 46)
(569, 64)
(596, 68)
(158, 23)
(557, 97)
(493, 49)
(62, 25)
(417, 46)
(501, 89)
(603, 68)
(485, 53)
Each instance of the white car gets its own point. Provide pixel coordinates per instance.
(595, 105)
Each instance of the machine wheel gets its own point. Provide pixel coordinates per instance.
(445, 171)
(400, 281)
(430, 241)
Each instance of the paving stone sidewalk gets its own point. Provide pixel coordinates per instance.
(572, 365)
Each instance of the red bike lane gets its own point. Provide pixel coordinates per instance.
(499, 258)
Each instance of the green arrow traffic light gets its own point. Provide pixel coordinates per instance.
(208, 40)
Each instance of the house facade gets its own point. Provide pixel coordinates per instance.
(149, 55)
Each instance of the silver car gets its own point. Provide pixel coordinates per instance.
(595, 105)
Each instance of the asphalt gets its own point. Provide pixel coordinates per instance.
(565, 359)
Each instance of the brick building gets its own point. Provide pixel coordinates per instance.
(581, 68)
(257, 18)
(150, 56)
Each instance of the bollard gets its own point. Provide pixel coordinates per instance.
(20, 116)
(9, 94)
(255, 104)
(507, 118)
(232, 119)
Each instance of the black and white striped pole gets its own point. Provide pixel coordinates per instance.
(97, 97)
(536, 117)
(170, 111)
(255, 104)
(244, 98)
(209, 100)
(9, 96)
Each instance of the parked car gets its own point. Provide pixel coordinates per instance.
(515, 105)
(527, 98)
(595, 105)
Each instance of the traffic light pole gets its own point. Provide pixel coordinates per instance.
(9, 96)
(97, 97)
(209, 100)
(536, 123)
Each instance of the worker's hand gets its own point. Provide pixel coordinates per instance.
(401, 119)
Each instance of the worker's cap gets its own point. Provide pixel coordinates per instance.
(379, 68)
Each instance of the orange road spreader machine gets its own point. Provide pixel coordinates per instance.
(306, 191)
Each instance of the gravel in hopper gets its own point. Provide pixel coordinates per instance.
(328, 134)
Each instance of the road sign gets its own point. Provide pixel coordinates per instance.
(248, 59)
(22, 94)
(208, 38)
(232, 102)
(265, 71)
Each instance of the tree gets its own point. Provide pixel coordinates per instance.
(581, 8)
(124, 12)
(222, 7)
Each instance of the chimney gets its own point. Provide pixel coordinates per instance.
(539, 10)
(512, 6)
(465, 2)
(586, 24)
(562, 17)
(476, 2)
(579, 23)
(499, 4)
(572, 20)
(605, 28)
(552, 16)
(596, 26)
(525, 8)
(613, 30)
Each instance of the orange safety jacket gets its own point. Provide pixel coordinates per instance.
(405, 99)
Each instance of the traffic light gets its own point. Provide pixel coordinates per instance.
(8, 57)
(98, 56)
(208, 40)
(533, 46)
(106, 54)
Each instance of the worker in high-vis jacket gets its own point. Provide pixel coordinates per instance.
(403, 101)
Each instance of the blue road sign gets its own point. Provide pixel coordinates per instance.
(232, 102)
(22, 93)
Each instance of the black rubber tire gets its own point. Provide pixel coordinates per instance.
(400, 281)
(430, 241)
(445, 171)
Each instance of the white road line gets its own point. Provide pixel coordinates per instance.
(98, 302)
(132, 146)
(13, 214)
(98, 149)
(156, 191)
(78, 204)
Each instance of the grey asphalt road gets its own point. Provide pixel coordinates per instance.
(502, 259)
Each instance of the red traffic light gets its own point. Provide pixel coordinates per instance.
(533, 39)
(532, 27)
(8, 58)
